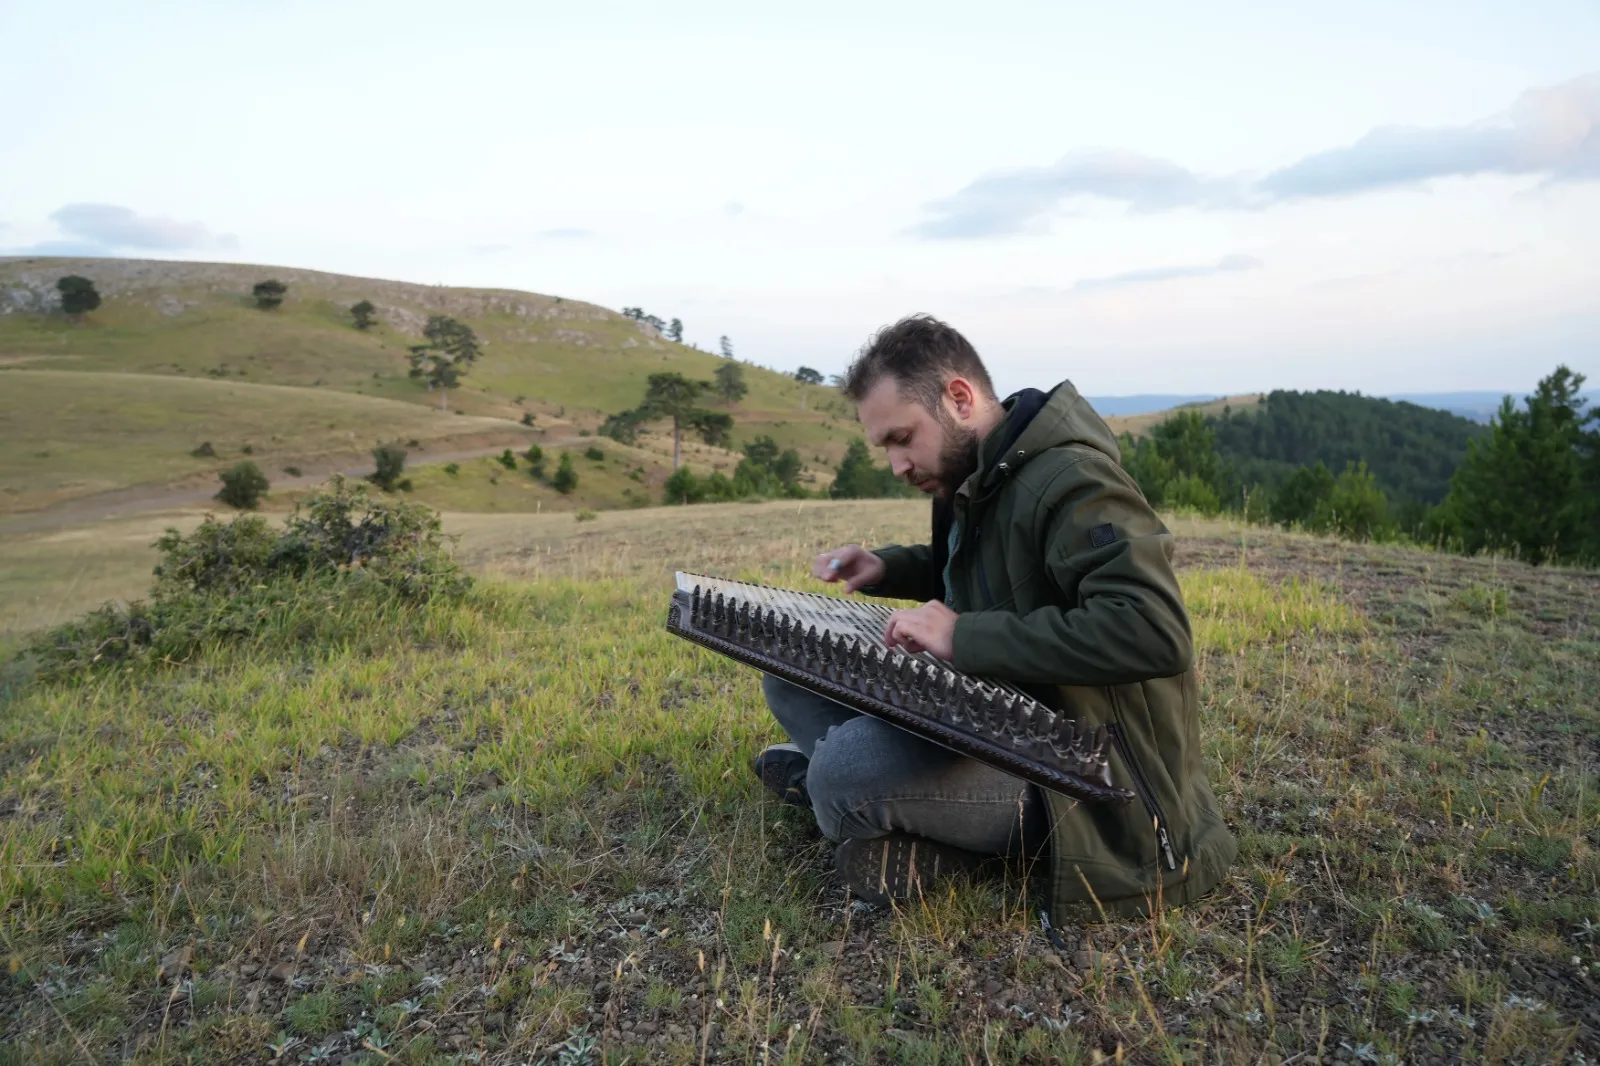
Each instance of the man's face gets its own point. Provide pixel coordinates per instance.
(934, 451)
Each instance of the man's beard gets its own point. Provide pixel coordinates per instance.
(958, 458)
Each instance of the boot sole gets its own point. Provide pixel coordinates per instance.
(892, 867)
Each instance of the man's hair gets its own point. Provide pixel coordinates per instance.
(920, 353)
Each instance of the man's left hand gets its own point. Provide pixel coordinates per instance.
(930, 628)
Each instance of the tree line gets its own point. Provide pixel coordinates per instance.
(1526, 486)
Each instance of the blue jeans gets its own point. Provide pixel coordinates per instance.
(868, 778)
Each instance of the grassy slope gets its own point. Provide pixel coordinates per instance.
(568, 362)
(526, 822)
(69, 434)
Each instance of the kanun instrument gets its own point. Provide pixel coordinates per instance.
(835, 647)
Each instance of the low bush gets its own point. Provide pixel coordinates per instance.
(341, 550)
(566, 475)
(390, 460)
(243, 485)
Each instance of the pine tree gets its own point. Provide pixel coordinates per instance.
(730, 385)
(451, 348)
(1529, 488)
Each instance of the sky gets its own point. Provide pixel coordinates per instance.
(1156, 197)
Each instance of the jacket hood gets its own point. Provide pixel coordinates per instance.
(1063, 417)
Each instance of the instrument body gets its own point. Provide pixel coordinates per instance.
(835, 647)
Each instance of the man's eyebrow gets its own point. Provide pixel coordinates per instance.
(884, 439)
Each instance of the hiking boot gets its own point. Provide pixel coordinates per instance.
(897, 865)
(782, 768)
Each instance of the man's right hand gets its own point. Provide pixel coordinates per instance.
(852, 564)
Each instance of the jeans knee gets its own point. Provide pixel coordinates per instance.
(842, 782)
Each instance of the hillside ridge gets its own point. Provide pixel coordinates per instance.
(28, 284)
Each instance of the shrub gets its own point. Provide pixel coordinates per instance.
(584, 514)
(527, 418)
(585, 433)
(78, 295)
(244, 580)
(595, 453)
(1191, 492)
(243, 486)
(248, 449)
(684, 487)
(452, 469)
(292, 471)
(535, 457)
(269, 294)
(1356, 508)
(205, 451)
(566, 476)
(507, 460)
(390, 460)
(1296, 500)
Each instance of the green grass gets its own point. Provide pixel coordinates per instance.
(73, 434)
(568, 363)
(525, 822)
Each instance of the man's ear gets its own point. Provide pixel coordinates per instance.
(962, 396)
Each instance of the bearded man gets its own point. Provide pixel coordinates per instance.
(1048, 569)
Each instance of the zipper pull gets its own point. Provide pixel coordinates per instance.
(1166, 846)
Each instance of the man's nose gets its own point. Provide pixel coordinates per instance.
(899, 465)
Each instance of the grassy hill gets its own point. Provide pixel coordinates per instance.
(1139, 425)
(520, 827)
(566, 362)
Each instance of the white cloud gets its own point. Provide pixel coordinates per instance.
(120, 227)
(1228, 264)
(1554, 132)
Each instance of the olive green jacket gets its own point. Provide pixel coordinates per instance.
(1063, 581)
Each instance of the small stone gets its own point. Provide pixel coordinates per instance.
(283, 972)
(646, 1028)
(634, 917)
(991, 987)
(174, 963)
(832, 948)
(458, 1040)
(249, 969)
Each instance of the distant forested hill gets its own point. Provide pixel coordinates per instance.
(1412, 451)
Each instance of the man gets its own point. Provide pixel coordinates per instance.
(1048, 569)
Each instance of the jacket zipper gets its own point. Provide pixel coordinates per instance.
(1145, 793)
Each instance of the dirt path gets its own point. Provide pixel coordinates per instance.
(121, 503)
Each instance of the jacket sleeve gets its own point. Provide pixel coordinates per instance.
(1106, 551)
(907, 574)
